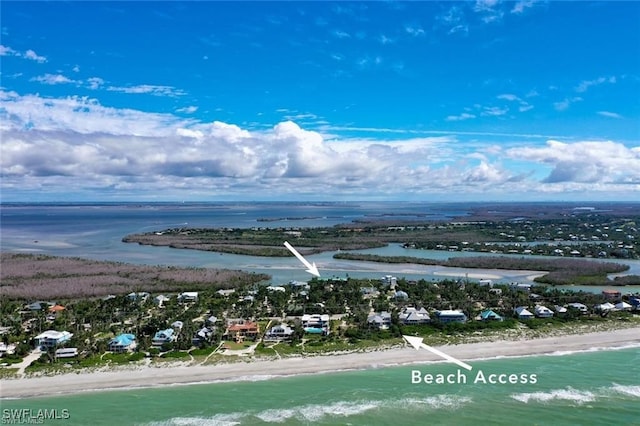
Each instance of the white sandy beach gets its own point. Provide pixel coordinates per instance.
(144, 376)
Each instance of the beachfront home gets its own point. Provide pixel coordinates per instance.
(205, 334)
(523, 313)
(489, 315)
(163, 336)
(560, 309)
(578, 306)
(138, 297)
(543, 312)
(188, 297)
(122, 343)
(381, 321)
(623, 306)
(66, 352)
(226, 292)
(279, 333)
(604, 307)
(52, 338)
(448, 316)
(316, 324)
(413, 316)
(161, 299)
(401, 295)
(242, 330)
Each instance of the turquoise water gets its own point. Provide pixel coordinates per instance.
(598, 387)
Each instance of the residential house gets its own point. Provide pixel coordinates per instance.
(389, 281)
(611, 294)
(579, 306)
(122, 343)
(242, 330)
(604, 307)
(52, 338)
(448, 316)
(560, 309)
(413, 316)
(163, 336)
(138, 297)
(279, 333)
(623, 306)
(276, 288)
(381, 321)
(188, 297)
(316, 324)
(401, 295)
(489, 315)
(543, 312)
(205, 334)
(66, 352)
(523, 313)
(226, 292)
(161, 299)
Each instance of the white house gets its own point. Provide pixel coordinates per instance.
(389, 281)
(579, 306)
(523, 313)
(52, 338)
(66, 352)
(188, 296)
(161, 299)
(447, 316)
(276, 288)
(279, 333)
(411, 315)
(381, 321)
(316, 324)
(623, 306)
(543, 312)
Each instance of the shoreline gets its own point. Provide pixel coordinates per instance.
(141, 376)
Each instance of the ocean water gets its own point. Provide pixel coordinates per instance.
(599, 387)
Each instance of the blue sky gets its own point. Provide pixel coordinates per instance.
(486, 100)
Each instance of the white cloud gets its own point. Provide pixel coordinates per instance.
(520, 6)
(586, 84)
(30, 54)
(341, 34)
(585, 162)
(77, 144)
(566, 103)
(95, 83)
(188, 110)
(148, 89)
(609, 114)
(461, 117)
(414, 30)
(6, 51)
(508, 97)
(489, 10)
(76, 68)
(52, 79)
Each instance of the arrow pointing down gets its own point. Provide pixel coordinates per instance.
(311, 267)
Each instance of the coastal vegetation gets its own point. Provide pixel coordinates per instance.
(31, 276)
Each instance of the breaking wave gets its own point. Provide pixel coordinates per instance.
(317, 412)
(579, 397)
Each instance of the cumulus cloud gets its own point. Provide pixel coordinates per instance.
(585, 162)
(461, 117)
(30, 54)
(53, 79)
(77, 144)
(586, 84)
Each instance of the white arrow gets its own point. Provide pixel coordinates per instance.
(311, 268)
(416, 342)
